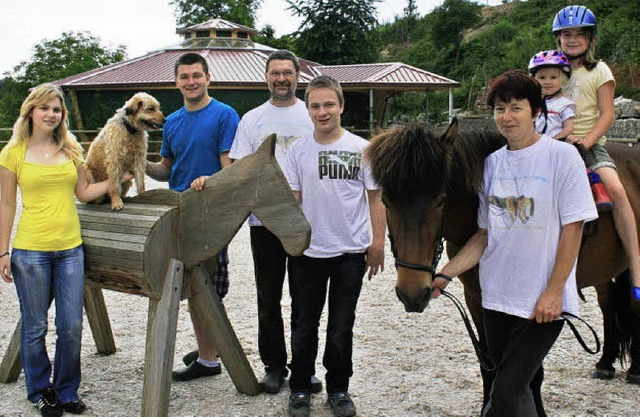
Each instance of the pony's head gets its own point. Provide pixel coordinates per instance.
(412, 166)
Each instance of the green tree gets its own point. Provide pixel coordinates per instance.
(336, 31)
(449, 21)
(192, 12)
(267, 36)
(72, 53)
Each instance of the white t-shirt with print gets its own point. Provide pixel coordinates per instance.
(288, 123)
(333, 180)
(529, 195)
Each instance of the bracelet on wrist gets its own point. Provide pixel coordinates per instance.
(4, 254)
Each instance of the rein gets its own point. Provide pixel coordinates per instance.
(485, 361)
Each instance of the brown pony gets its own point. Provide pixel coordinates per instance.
(429, 186)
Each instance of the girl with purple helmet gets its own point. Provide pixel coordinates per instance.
(552, 70)
(592, 87)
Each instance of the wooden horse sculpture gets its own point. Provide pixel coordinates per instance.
(164, 232)
(430, 185)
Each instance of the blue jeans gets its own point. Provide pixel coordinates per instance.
(38, 276)
(309, 280)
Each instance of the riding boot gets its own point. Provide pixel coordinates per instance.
(603, 201)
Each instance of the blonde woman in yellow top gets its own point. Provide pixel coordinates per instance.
(44, 160)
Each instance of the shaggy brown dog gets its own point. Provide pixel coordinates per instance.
(121, 146)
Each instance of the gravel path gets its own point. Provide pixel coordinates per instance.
(405, 364)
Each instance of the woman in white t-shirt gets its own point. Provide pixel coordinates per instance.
(527, 258)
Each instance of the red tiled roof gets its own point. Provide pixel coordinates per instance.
(245, 67)
(385, 74)
(227, 66)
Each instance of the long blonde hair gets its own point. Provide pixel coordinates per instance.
(23, 127)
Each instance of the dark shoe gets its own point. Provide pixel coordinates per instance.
(196, 370)
(190, 357)
(300, 404)
(75, 407)
(341, 404)
(272, 382)
(316, 384)
(49, 405)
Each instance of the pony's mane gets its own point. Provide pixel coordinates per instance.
(408, 159)
(470, 149)
(412, 160)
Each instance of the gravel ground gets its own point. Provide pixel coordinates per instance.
(405, 364)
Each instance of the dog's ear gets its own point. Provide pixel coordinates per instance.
(133, 106)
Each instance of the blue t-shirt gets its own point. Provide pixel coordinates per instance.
(195, 140)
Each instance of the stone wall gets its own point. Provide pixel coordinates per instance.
(622, 128)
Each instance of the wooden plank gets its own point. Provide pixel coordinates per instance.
(98, 318)
(11, 365)
(162, 245)
(92, 251)
(119, 237)
(157, 197)
(100, 243)
(127, 264)
(210, 218)
(209, 309)
(161, 341)
(126, 221)
(116, 228)
(132, 208)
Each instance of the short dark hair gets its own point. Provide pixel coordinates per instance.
(191, 58)
(285, 55)
(518, 85)
(324, 81)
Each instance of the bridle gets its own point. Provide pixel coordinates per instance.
(420, 267)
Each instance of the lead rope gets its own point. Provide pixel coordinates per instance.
(485, 361)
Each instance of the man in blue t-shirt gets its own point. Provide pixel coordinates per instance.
(196, 140)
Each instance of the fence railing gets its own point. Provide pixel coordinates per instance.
(85, 137)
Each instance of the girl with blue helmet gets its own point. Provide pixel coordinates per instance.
(592, 87)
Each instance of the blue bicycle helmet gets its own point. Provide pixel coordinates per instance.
(573, 17)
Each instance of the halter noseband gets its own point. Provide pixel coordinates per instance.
(420, 267)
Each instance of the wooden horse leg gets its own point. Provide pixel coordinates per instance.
(208, 307)
(99, 320)
(161, 343)
(11, 365)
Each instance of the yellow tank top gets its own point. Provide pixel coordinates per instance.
(49, 220)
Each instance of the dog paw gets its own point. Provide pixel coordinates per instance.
(117, 205)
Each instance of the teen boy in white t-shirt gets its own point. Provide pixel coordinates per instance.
(338, 195)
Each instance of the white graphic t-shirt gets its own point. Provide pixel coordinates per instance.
(529, 195)
(333, 180)
(288, 123)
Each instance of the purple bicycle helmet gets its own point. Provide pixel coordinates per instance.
(573, 17)
(546, 59)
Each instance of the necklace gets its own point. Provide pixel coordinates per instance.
(46, 154)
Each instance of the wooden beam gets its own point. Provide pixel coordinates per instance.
(207, 305)
(76, 113)
(161, 341)
(11, 364)
(98, 318)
